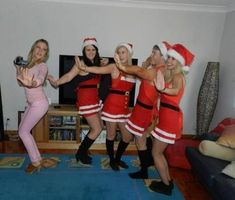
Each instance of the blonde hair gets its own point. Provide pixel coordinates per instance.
(30, 55)
(168, 75)
(129, 55)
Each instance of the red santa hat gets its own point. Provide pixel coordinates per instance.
(89, 41)
(164, 47)
(129, 47)
(182, 54)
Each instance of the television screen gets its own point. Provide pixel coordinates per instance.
(67, 92)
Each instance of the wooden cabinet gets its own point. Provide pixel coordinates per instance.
(63, 128)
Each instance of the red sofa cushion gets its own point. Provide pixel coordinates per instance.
(175, 153)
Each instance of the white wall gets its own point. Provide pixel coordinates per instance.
(64, 25)
(226, 102)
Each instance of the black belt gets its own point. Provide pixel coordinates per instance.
(126, 93)
(88, 86)
(144, 105)
(169, 106)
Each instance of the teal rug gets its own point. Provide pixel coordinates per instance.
(69, 181)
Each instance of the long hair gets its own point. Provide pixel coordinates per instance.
(87, 61)
(168, 73)
(32, 62)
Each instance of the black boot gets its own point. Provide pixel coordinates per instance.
(110, 152)
(160, 187)
(120, 150)
(149, 145)
(143, 172)
(82, 154)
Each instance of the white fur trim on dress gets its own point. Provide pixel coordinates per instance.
(132, 131)
(128, 79)
(163, 136)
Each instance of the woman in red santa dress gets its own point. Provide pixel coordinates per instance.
(145, 112)
(116, 106)
(170, 124)
(88, 102)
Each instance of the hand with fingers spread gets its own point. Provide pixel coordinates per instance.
(159, 81)
(118, 62)
(25, 78)
(79, 64)
(52, 81)
(104, 61)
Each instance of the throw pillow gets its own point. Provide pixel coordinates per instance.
(228, 137)
(221, 126)
(230, 169)
(212, 149)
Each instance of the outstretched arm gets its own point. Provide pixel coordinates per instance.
(65, 78)
(108, 69)
(148, 74)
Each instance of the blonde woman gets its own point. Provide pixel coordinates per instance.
(170, 125)
(116, 106)
(32, 77)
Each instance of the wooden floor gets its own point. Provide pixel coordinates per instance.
(184, 179)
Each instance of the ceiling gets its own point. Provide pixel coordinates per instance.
(214, 5)
(192, 2)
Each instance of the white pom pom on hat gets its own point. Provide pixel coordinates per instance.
(90, 41)
(129, 47)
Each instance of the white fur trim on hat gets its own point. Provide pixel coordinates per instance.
(176, 55)
(163, 50)
(128, 46)
(89, 41)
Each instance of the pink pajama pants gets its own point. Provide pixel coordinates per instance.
(33, 113)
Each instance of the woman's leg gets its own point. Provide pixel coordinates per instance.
(95, 123)
(32, 115)
(111, 128)
(143, 156)
(126, 138)
(160, 162)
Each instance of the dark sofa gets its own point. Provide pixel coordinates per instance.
(208, 170)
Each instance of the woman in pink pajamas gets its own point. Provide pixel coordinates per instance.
(32, 78)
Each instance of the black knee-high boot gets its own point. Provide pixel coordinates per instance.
(82, 154)
(120, 150)
(110, 152)
(149, 145)
(143, 172)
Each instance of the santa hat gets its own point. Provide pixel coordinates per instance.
(164, 47)
(129, 47)
(89, 41)
(183, 55)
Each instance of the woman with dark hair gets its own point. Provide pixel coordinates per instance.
(88, 102)
(116, 106)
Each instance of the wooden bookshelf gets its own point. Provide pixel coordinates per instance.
(62, 128)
